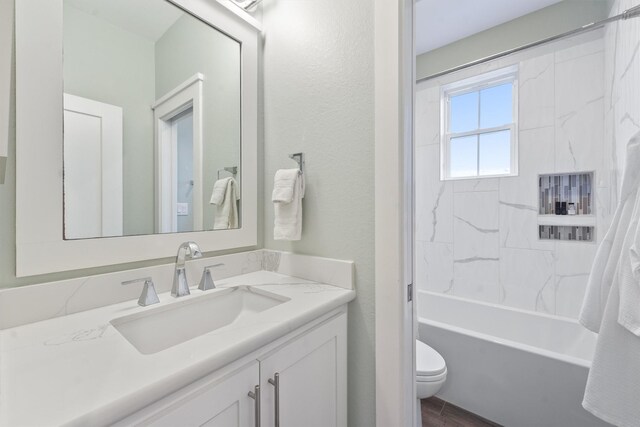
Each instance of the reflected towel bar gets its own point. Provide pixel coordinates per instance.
(233, 170)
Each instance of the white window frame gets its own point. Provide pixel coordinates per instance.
(474, 84)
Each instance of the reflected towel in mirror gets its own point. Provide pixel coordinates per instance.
(225, 196)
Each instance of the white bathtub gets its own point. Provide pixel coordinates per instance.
(510, 366)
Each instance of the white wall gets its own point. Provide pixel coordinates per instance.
(478, 239)
(319, 99)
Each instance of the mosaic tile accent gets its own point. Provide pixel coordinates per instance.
(566, 188)
(563, 232)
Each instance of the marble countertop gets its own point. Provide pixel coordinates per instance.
(78, 369)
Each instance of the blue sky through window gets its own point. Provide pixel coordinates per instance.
(496, 106)
(464, 112)
(495, 153)
(482, 153)
(464, 156)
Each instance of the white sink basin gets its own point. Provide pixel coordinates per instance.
(159, 328)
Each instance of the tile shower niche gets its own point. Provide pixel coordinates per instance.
(566, 207)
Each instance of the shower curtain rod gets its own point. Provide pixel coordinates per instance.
(627, 14)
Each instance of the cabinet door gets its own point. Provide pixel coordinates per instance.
(224, 403)
(312, 379)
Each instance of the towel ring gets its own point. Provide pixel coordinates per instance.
(233, 170)
(298, 158)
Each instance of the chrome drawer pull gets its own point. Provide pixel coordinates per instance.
(255, 395)
(276, 383)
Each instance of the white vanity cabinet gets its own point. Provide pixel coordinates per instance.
(304, 383)
(310, 390)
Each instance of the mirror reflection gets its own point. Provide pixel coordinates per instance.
(151, 121)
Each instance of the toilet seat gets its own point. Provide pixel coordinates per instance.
(430, 366)
(432, 378)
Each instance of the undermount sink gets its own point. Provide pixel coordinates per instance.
(159, 328)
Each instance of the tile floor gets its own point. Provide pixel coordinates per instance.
(438, 413)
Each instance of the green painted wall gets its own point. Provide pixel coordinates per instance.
(552, 20)
(106, 63)
(319, 99)
(188, 47)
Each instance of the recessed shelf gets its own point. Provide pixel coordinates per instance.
(565, 192)
(566, 188)
(568, 220)
(566, 233)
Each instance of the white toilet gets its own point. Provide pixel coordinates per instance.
(431, 370)
(431, 373)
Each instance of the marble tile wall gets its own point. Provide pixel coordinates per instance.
(479, 238)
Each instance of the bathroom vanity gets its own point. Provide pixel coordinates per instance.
(311, 362)
(263, 348)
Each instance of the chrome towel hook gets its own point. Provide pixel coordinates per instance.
(298, 158)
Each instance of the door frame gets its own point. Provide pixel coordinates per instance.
(183, 97)
(394, 305)
(6, 79)
(112, 223)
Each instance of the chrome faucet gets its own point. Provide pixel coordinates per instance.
(186, 251)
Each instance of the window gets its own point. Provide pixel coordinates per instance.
(479, 126)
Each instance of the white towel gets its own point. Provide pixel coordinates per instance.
(283, 185)
(629, 311)
(288, 214)
(219, 191)
(613, 385)
(605, 264)
(225, 197)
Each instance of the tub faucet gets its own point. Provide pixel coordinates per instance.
(186, 251)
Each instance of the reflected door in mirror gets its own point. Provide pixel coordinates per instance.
(92, 168)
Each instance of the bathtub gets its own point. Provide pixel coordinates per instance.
(514, 367)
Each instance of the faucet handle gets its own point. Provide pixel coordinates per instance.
(206, 282)
(149, 295)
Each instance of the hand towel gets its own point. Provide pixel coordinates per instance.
(226, 215)
(219, 191)
(288, 215)
(283, 185)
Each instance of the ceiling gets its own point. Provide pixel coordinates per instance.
(440, 22)
(147, 18)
